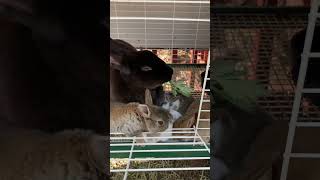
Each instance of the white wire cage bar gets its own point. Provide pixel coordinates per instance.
(127, 149)
(184, 144)
(204, 90)
(167, 25)
(164, 1)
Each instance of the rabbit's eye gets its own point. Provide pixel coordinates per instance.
(146, 68)
(160, 123)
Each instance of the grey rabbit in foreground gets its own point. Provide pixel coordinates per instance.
(34, 155)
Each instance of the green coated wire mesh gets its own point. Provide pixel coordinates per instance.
(261, 40)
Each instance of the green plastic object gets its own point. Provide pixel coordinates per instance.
(179, 87)
(229, 85)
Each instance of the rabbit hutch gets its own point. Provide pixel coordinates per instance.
(259, 34)
(178, 33)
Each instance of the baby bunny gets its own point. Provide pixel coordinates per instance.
(172, 109)
(133, 119)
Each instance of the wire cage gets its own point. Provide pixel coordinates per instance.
(178, 32)
(260, 37)
(262, 3)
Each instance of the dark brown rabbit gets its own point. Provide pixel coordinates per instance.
(132, 71)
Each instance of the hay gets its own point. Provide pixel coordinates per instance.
(165, 175)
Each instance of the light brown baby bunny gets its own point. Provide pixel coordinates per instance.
(133, 118)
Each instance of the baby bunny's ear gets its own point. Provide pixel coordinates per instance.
(175, 105)
(148, 97)
(166, 106)
(144, 110)
(175, 114)
(115, 62)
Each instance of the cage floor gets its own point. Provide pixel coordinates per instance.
(165, 175)
(129, 150)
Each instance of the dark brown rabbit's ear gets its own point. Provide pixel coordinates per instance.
(148, 97)
(97, 152)
(144, 110)
(115, 62)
